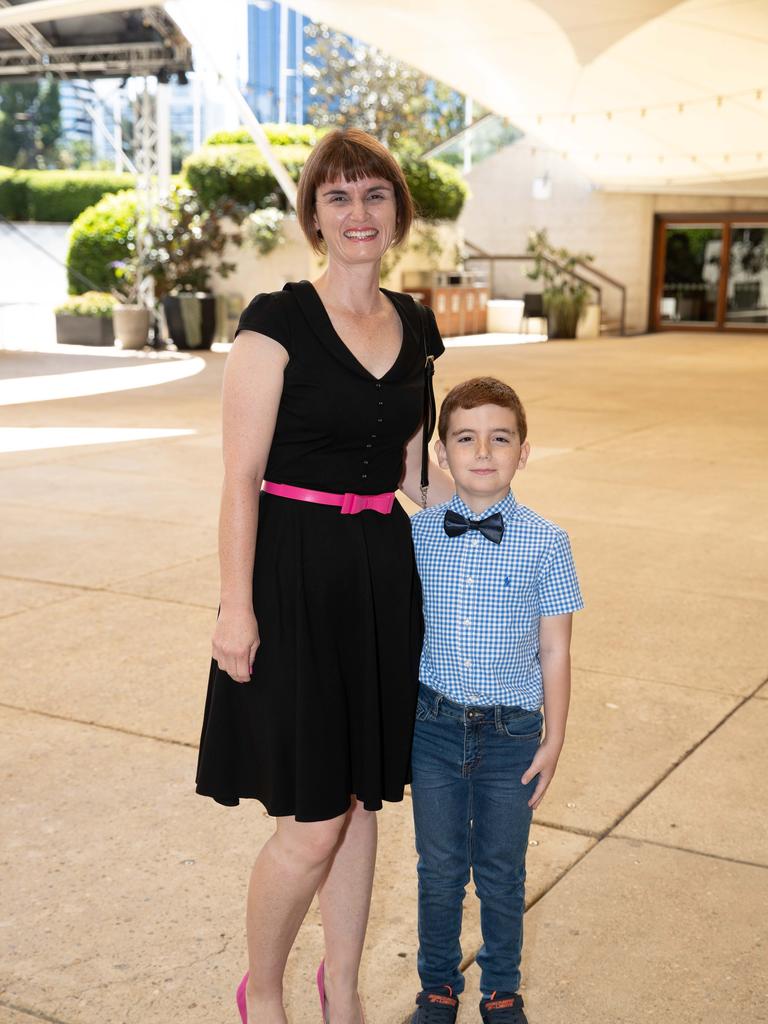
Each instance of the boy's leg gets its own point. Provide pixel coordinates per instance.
(441, 813)
(501, 823)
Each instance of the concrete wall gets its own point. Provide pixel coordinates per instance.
(616, 228)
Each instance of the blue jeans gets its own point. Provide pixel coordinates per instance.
(470, 810)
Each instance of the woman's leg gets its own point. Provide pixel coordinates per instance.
(345, 899)
(285, 877)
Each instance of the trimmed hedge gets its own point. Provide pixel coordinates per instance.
(438, 190)
(238, 171)
(278, 135)
(101, 235)
(55, 195)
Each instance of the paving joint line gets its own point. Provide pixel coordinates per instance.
(89, 589)
(684, 757)
(99, 725)
(687, 849)
(608, 832)
(36, 1014)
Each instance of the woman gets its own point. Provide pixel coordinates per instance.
(313, 685)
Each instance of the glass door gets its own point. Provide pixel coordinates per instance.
(691, 281)
(710, 271)
(747, 291)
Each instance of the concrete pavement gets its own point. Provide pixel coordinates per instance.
(648, 869)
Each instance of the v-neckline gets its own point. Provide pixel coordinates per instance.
(405, 326)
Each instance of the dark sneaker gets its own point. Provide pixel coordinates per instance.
(503, 1008)
(436, 1006)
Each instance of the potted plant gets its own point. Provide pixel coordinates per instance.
(85, 319)
(564, 296)
(131, 318)
(180, 246)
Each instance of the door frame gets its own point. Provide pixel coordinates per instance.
(726, 220)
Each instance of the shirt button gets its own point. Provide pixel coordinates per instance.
(378, 385)
(369, 446)
(467, 664)
(475, 541)
(379, 421)
(470, 581)
(373, 435)
(364, 476)
(466, 622)
(381, 403)
(365, 462)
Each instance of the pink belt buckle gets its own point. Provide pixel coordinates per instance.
(354, 503)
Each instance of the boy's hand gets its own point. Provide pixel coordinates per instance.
(543, 764)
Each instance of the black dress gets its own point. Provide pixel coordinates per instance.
(330, 706)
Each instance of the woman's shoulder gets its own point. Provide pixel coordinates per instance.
(268, 313)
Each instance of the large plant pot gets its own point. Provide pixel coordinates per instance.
(131, 324)
(191, 319)
(562, 317)
(84, 330)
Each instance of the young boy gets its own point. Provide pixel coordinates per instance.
(499, 589)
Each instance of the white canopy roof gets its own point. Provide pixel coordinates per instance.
(638, 93)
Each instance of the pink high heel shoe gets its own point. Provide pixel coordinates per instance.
(321, 992)
(240, 997)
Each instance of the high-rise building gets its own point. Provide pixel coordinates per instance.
(277, 89)
(76, 123)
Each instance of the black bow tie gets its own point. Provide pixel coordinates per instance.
(491, 527)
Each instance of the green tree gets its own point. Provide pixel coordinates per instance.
(30, 123)
(356, 84)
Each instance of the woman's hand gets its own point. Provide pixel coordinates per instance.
(235, 642)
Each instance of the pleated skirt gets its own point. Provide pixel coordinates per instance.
(329, 710)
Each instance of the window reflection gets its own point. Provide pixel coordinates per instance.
(691, 273)
(747, 301)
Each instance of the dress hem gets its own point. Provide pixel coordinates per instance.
(279, 812)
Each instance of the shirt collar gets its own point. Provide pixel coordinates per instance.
(507, 506)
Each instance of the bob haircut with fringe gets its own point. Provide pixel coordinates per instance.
(351, 154)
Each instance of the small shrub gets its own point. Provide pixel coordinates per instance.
(438, 190)
(89, 304)
(262, 229)
(102, 235)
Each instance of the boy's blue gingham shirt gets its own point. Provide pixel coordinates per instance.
(483, 602)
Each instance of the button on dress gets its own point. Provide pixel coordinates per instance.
(330, 707)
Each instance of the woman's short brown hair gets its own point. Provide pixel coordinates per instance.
(481, 391)
(351, 154)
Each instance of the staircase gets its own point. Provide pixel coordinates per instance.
(587, 274)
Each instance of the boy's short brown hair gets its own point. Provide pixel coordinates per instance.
(351, 154)
(481, 391)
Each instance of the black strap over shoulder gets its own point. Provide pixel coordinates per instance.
(430, 407)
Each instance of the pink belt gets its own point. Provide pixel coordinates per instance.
(350, 503)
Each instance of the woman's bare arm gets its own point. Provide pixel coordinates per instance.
(441, 485)
(253, 383)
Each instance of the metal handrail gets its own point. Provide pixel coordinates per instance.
(480, 254)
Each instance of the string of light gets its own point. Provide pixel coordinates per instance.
(659, 158)
(758, 95)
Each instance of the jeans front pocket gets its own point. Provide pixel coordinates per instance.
(523, 726)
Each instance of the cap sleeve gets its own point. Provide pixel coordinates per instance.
(266, 314)
(435, 345)
(558, 586)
